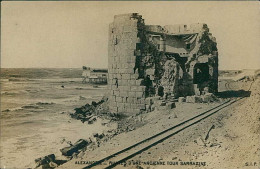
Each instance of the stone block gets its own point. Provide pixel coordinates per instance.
(133, 58)
(197, 91)
(123, 99)
(136, 110)
(114, 87)
(141, 106)
(112, 98)
(161, 108)
(45, 160)
(132, 82)
(134, 106)
(113, 109)
(127, 105)
(162, 103)
(209, 97)
(128, 71)
(126, 76)
(131, 65)
(118, 76)
(134, 76)
(129, 110)
(68, 151)
(110, 77)
(148, 108)
(181, 99)
(109, 87)
(149, 101)
(150, 71)
(140, 100)
(113, 103)
(114, 65)
(132, 94)
(119, 82)
(121, 105)
(123, 93)
(121, 109)
(116, 92)
(134, 88)
(139, 82)
(170, 105)
(193, 99)
(121, 88)
(139, 94)
(131, 100)
(119, 100)
(127, 88)
(157, 103)
(206, 89)
(142, 88)
(124, 82)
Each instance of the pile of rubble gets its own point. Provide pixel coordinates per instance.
(206, 98)
(160, 103)
(48, 162)
(90, 112)
(75, 150)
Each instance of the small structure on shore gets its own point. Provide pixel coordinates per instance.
(96, 76)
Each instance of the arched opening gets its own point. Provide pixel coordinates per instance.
(200, 73)
(160, 91)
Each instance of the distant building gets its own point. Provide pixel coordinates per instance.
(96, 76)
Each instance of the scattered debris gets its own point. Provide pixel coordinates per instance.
(82, 98)
(207, 136)
(89, 112)
(209, 97)
(200, 142)
(99, 136)
(48, 162)
(193, 99)
(181, 99)
(68, 151)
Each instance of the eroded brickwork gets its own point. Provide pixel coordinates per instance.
(149, 60)
(126, 91)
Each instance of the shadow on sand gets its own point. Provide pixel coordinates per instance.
(233, 93)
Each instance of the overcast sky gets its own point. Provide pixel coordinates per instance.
(72, 34)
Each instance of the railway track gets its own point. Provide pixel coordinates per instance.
(123, 155)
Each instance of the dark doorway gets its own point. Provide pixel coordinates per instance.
(200, 73)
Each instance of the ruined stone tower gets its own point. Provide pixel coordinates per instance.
(150, 60)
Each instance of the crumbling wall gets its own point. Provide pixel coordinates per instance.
(151, 60)
(170, 78)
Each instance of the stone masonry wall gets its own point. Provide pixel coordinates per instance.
(126, 91)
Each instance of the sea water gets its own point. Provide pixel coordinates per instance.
(35, 117)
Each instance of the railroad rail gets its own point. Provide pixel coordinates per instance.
(129, 152)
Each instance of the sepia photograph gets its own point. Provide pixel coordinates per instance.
(130, 84)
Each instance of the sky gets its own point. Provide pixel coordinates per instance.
(52, 34)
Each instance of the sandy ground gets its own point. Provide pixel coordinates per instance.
(233, 143)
